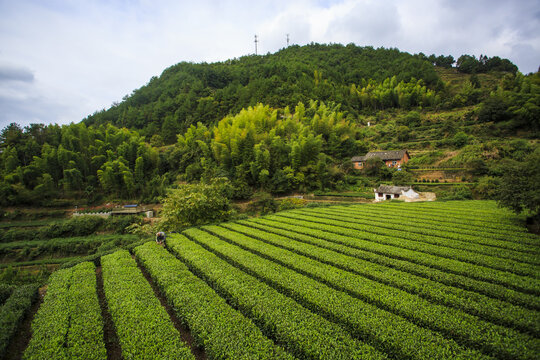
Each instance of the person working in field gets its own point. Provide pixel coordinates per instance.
(160, 237)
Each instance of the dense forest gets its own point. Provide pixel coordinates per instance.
(188, 93)
(282, 122)
(358, 78)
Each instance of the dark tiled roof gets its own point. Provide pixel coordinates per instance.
(389, 189)
(358, 158)
(383, 155)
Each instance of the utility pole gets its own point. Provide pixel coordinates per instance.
(256, 41)
(287, 40)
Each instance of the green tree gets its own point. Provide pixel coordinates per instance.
(403, 133)
(194, 204)
(402, 178)
(374, 166)
(169, 130)
(518, 189)
(460, 139)
(486, 187)
(46, 188)
(10, 159)
(139, 170)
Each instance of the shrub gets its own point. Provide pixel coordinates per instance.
(13, 311)
(460, 139)
(264, 203)
(5, 292)
(402, 178)
(119, 224)
(486, 188)
(194, 204)
(291, 203)
(460, 192)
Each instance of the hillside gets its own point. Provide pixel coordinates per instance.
(188, 93)
(281, 123)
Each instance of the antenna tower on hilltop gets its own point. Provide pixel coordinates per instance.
(256, 41)
(287, 40)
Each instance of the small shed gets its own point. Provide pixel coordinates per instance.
(389, 192)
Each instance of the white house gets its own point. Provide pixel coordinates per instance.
(389, 192)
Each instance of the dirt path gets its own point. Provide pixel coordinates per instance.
(185, 334)
(114, 352)
(20, 341)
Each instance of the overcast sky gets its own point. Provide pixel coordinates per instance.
(61, 60)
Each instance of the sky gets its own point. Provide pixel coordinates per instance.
(62, 60)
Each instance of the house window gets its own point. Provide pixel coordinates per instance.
(396, 196)
(380, 194)
(394, 163)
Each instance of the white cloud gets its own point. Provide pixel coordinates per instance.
(70, 58)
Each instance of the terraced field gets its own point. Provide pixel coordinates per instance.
(381, 281)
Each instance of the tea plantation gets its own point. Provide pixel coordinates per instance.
(434, 280)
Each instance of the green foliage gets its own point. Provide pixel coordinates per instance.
(402, 178)
(214, 324)
(375, 167)
(16, 274)
(461, 192)
(493, 109)
(5, 292)
(42, 162)
(143, 326)
(13, 311)
(470, 65)
(460, 139)
(119, 224)
(427, 158)
(441, 60)
(279, 123)
(76, 226)
(431, 239)
(304, 333)
(69, 324)
(194, 204)
(486, 187)
(271, 149)
(434, 284)
(415, 259)
(342, 279)
(263, 203)
(518, 189)
(63, 246)
(291, 203)
(357, 316)
(403, 133)
(391, 94)
(187, 93)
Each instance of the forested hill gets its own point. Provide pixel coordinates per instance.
(188, 93)
(283, 122)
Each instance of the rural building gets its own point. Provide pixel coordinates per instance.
(391, 158)
(389, 192)
(133, 210)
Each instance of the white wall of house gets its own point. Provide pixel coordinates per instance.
(384, 196)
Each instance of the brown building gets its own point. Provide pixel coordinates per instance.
(394, 158)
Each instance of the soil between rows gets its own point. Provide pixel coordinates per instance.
(114, 352)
